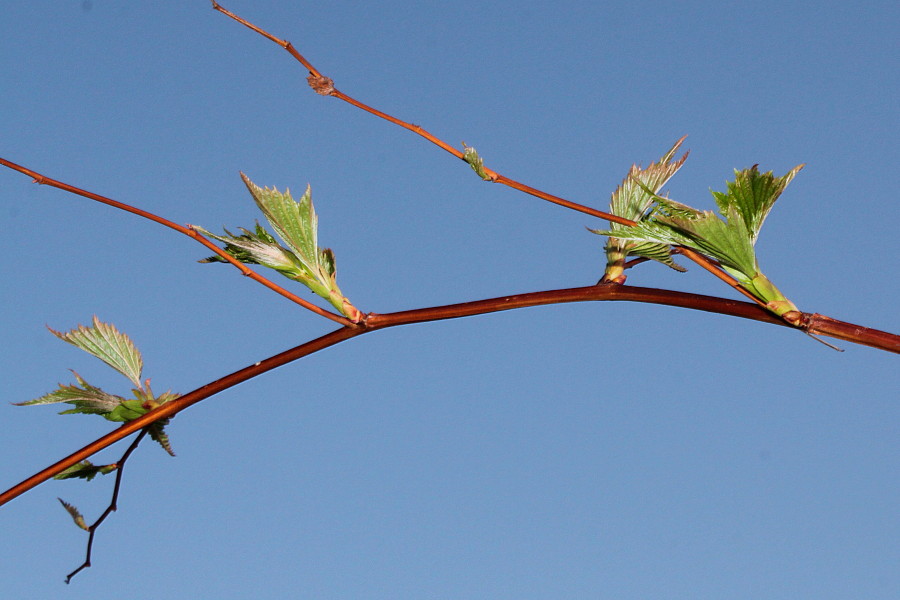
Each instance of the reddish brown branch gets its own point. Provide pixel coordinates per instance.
(325, 86)
(188, 231)
(182, 402)
(816, 324)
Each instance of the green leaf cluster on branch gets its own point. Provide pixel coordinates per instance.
(117, 350)
(632, 199)
(302, 260)
(729, 238)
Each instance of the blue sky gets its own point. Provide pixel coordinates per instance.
(580, 451)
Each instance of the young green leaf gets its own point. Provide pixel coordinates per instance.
(127, 410)
(158, 434)
(86, 399)
(75, 514)
(258, 248)
(632, 200)
(157, 428)
(302, 260)
(753, 194)
(105, 342)
(295, 222)
(726, 241)
(85, 470)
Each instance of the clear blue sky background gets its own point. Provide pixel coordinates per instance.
(581, 451)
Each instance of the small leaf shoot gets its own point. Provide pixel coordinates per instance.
(300, 259)
(470, 155)
(115, 349)
(77, 518)
(632, 200)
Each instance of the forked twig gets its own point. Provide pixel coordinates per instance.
(325, 86)
(113, 504)
(188, 231)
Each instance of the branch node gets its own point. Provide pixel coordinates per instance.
(320, 84)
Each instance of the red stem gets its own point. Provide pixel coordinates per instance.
(325, 86)
(188, 231)
(816, 324)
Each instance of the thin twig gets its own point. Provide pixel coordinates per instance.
(113, 504)
(325, 87)
(188, 231)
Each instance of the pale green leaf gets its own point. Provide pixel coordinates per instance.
(632, 200)
(259, 249)
(127, 410)
(295, 222)
(753, 194)
(302, 260)
(728, 242)
(641, 185)
(470, 155)
(75, 514)
(105, 342)
(86, 398)
(658, 252)
(85, 470)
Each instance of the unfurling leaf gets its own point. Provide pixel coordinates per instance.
(632, 200)
(86, 399)
(105, 342)
(158, 434)
(295, 222)
(753, 194)
(76, 516)
(85, 470)
(300, 259)
(470, 155)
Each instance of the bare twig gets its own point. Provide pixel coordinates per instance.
(113, 504)
(325, 86)
(188, 231)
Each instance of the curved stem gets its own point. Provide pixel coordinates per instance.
(814, 323)
(188, 231)
(325, 86)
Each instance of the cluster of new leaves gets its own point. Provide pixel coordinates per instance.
(728, 238)
(116, 349)
(302, 260)
(632, 200)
